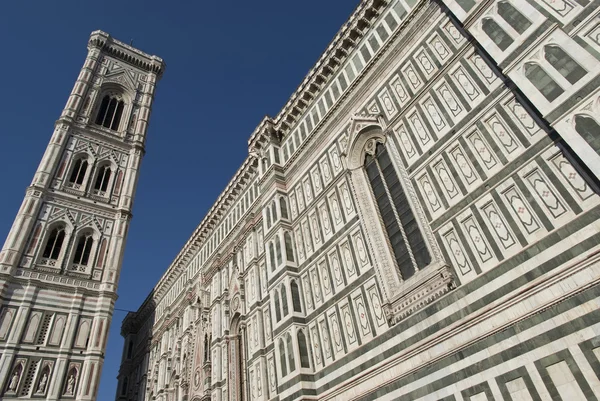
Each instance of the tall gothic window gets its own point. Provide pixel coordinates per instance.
(515, 19)
(289, 250)
(563, 63)
(283, 206)
(272, 256)
(290, 348)
(102, 179)
(496, 33)
(282, 358)
(403, 232)
(284, 304)
(303, 348)
(295, 296)
(78, 173)
(274, 211)
(587, 127)
(110, 112)
(277, 306)
(278, 250)
(54, 243)
(83, 250)
(542, 81)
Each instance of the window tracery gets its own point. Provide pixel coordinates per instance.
(110, 111)
(82, 253)
(403, 233)
(54, 243)
(78, 172)
(102, 180)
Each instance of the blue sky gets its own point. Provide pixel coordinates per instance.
(228, 65)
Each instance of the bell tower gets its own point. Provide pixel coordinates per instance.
(60, 264)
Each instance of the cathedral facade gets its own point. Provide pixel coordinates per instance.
(60, 264)
(419, 222)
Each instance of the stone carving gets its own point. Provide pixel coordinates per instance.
(42, 384)
(71, 383)
(14, 380)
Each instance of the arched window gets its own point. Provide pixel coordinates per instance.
(290, 348)
(278, 250)
(78, 172)
(407, 242)
(54, 243)
(542, 81)
(268, 218)
(272, 256)
(283, 206)
(110, 112)
(277, 306)
(303, 348)
(587, 127)
(289, 250)
(282, 358)
(284, 304)
(563, 63)
(496, 33)
(295, 297)
(83, 250)
(102, 179)
(274, 211)
(515, 19)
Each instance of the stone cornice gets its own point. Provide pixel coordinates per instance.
(126, 53)
(344, 42)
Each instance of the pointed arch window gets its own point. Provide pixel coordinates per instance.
(277, 306)
(296, 304)
(102, 179)
(563, 63)
(54, 243)
(278, 250)
(303, 348)
(83, 249)
(542, 81)
(515, 19)
(283, 206)
(274, 211)
(110, 112)
(272, 256)
(496, 33)
(289, 247)
(587, 127)
(403, 231)
(282, 358)
(78, 172)
(284, 304)
(290, 348)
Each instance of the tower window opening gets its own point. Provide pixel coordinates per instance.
(102, 179)
(78, 172)
(54, 243)
(83, 250)
(110, 112)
